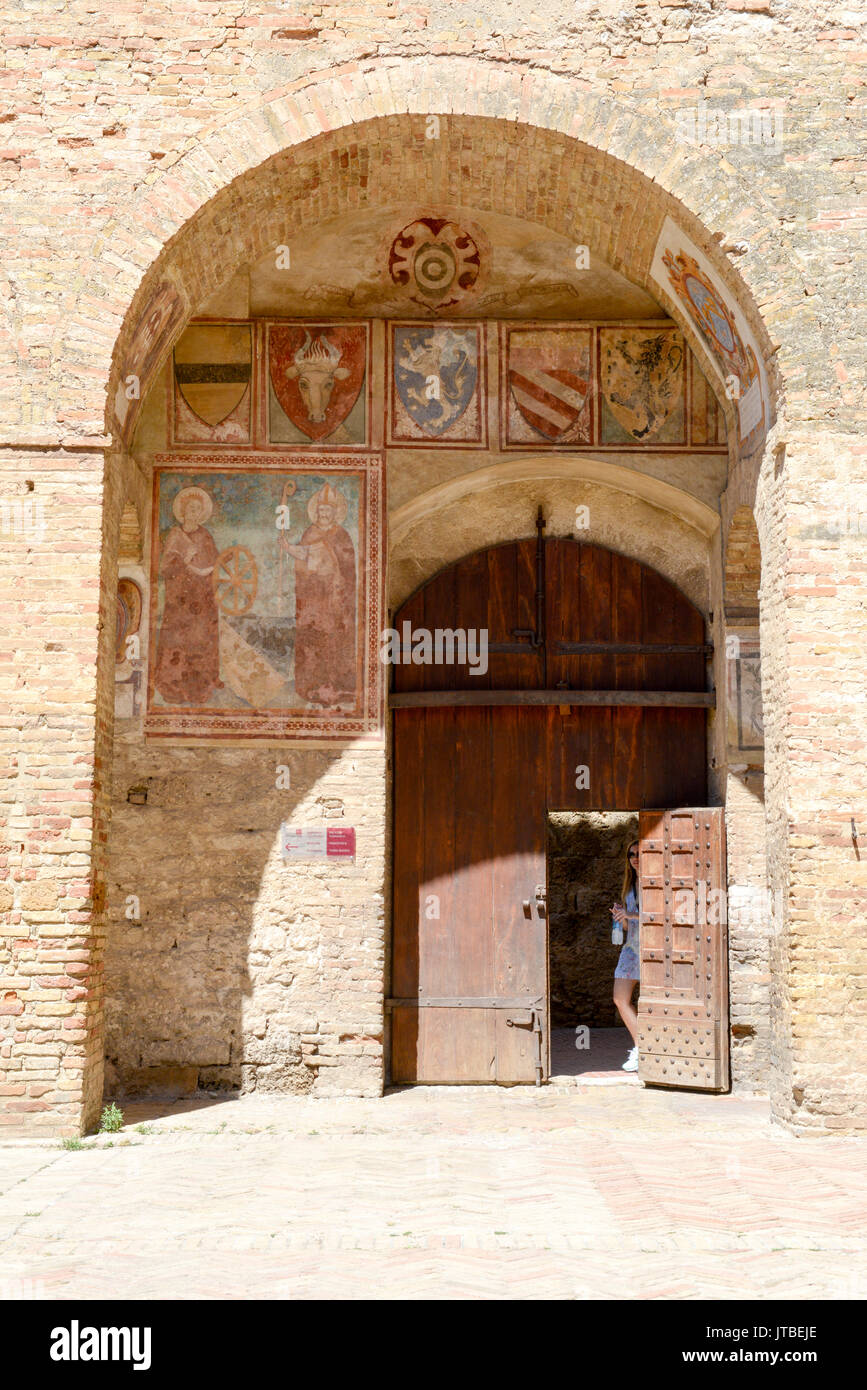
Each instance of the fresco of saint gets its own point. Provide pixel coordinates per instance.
(325, 602)
(188, 646)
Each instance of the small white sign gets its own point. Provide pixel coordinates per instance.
(316, 842)
(298, 844)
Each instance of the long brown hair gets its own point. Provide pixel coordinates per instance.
(630, 876)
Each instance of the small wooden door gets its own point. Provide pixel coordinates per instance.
(683, 1026)
(469, 972)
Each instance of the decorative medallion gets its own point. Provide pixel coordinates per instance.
(642, 375)
(436, 261)
(436, 374)
(710, 312)
(316, 372)
(160, 319)
(550, 377)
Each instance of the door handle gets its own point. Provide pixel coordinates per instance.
(541, 899)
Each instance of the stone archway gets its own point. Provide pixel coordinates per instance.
(331, 145)
(565, 156)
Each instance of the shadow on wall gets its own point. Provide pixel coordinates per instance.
(586, 854)
(235, 976)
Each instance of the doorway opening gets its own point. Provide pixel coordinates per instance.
(586, 855)
(594, 699)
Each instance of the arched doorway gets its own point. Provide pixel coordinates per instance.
(222, 235)
(534, 676)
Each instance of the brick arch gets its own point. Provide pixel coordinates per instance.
(513, 140)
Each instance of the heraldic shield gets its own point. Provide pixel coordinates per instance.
(642, 380)
(317, 371)
(550, 383)
(435, 373)
(213, 364)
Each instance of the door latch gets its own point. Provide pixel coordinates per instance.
(541, 899)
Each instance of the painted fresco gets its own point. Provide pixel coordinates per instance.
(437, 380)
(548, 385)
(266, 599)
(317, 376)
(212, 384)
(746, 733)
(707, 426)
(129, 663)
(160, 318)
(642, 376)
(686, 275)
(437, 263)
(604, 386)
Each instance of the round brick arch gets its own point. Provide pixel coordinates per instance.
(514, 140)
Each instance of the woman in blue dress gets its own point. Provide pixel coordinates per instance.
(626, 974)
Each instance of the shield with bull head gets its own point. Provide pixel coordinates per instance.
(317, 371)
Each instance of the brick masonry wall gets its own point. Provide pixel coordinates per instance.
(242, 971)
(119, 129)
(821, 954)
(56, 729)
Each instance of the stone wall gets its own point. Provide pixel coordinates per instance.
(241, 971)
(586, 854)
(55, 740)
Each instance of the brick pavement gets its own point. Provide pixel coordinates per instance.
(450, 1192)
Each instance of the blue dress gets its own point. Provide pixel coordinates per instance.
(627, 961)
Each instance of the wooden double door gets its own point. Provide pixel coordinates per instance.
(594, 698)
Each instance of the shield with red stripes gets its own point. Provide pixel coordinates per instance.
(549, 385)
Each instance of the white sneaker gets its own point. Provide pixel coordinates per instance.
(631, 1063)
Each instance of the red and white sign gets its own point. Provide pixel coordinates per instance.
(306, 842)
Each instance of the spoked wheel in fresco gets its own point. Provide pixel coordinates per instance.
(236, 580)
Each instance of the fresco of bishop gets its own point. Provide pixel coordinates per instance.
(325, 602)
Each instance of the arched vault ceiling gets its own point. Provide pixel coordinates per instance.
(509, 174)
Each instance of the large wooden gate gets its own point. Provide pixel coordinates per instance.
(594, 699)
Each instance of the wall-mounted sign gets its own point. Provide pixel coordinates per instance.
(306, 842)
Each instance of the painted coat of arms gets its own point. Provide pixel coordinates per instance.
(212, 389)
(683, 270)
(642, 376)
(436, 262)
(317, 375)
(266, 599)
(161, 316)
(550, 386)
(437, 372)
